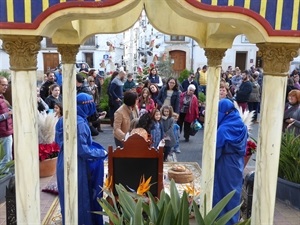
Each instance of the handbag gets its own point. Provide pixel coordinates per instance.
(195, 126)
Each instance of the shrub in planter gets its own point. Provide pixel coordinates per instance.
(4, 175)
(289, 161)
(288, 184)
(183, 75)
(104, 96)
(173, 209)
(202, 97)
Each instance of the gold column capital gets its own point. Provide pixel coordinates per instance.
(68, 53)
(277, 57)
(22, 51)
(214, 56)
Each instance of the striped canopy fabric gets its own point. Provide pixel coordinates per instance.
(278, 15)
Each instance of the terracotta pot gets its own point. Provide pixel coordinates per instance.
(48, 167)
(246, 159)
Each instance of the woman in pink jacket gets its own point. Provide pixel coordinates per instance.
(188, 109)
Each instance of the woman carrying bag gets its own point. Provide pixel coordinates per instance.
(189, 110)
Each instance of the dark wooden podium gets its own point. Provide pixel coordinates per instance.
(128, 164)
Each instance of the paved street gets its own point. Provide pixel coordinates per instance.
(190, 151)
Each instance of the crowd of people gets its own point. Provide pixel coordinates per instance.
(170, 108)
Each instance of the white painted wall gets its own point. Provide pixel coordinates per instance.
(4, 59)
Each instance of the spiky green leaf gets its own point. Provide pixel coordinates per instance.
(214, 213)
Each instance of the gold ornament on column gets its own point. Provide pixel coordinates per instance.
(277, 57)
(68, 53)
(214, 56)
(22, 51)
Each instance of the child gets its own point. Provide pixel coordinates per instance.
(58, 110)
(145, 100)
(176, 130)
(168, 123)
(157, 132)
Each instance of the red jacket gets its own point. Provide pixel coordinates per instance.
(193, 112)
(150, 106)
(6, 126)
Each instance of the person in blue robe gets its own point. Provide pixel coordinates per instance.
(90, 157)
(232, 137)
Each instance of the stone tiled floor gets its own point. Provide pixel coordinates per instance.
(284, 214)
(46, 200)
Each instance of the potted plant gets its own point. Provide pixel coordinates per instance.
(5, 175)
(250, 149)
(288, 184)
(142, 208)
(251, 146)
(48, 149)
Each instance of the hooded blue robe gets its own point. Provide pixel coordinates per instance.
(90, 164)
(232, 137)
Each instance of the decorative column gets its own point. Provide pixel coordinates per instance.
(23, 52)
(68, 55)
(214, 57)
(276, 61)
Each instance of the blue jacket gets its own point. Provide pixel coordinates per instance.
(116, 89)
(174, 99)
(58, 78)
(157, 133)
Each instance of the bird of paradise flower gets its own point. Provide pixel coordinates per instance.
(144, 186)
(108, 183)
(191, 190)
